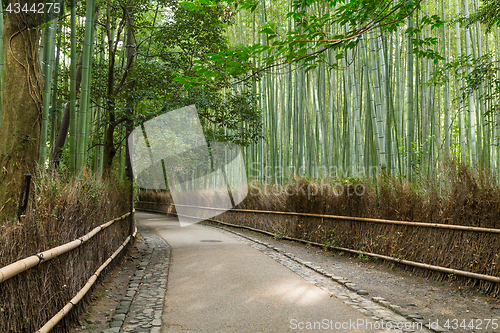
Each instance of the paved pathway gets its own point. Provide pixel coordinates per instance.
(221, 282)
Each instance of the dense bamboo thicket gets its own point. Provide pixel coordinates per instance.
(401, 101)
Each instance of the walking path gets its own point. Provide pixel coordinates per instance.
(142, 307)
(222, 282)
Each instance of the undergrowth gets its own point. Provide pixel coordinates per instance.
(59, 211)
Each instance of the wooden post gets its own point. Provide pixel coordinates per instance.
(23, 197)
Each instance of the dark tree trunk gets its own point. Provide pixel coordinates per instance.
(22, 107)
(109, 147)
(63, 130)
(129, 124)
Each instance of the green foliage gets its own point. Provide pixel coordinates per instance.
(187, 38)
(330, 240)
(475, 73)
(488, 14)
(423, 47)
(171, 41)
(311, 36)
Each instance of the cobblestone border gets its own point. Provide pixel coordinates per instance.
(142, 308)
(376, 308)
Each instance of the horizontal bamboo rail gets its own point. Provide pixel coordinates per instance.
(400, 261)
(347, 218)
(446, 270)
(64, 311)
(24, 264)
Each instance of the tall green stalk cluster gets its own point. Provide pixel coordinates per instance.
(81, 45)
(82, 115)
(85, 97)
(377, 107)
(78, 123)
(48, 47)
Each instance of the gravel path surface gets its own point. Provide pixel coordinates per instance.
(141, 308)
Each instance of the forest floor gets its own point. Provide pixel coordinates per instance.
(442, 301)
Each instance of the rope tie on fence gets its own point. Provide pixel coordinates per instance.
(64, 311)
(22, 265)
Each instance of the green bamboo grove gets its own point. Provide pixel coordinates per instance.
(381, 106)
(107, 66)
(400, 102)
(52, 62)
(69, 48)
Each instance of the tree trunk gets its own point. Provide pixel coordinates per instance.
(21, 117)
(130, 123)
(1, 59)
(109, 146)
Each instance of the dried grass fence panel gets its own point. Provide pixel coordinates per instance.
(22, 265)
(470, 250)
(30, 298)
(83, 292)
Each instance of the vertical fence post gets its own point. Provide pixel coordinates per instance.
(130, 177)
(24, 196)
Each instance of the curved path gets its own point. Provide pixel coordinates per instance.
(219, 284)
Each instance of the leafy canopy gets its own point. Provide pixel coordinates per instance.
(318, 26)
(170, 40)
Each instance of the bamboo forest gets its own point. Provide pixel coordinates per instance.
(401, 100)
(295, 158)
(306, 87)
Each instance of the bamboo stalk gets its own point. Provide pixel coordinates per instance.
(48, 54)
(72, 93)
(409, 106)
(84, 98)
(471, 133)
(54, 114)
